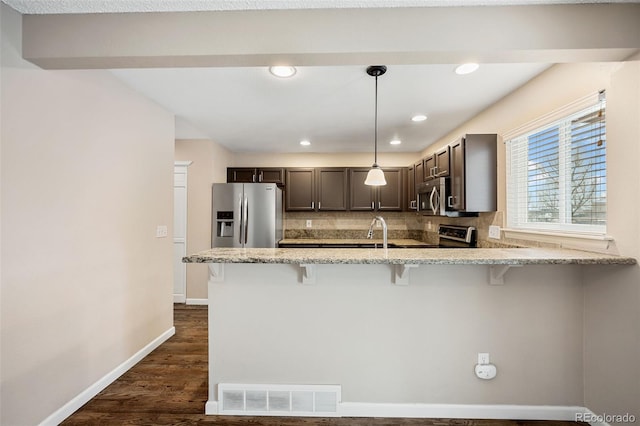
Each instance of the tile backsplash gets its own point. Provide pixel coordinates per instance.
(336, 225)
(399, 224)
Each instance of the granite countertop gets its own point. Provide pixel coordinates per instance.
(437, 256)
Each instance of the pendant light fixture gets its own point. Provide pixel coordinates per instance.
(375, 177)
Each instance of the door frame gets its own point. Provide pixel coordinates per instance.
(180, 228)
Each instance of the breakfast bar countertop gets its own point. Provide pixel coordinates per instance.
(425, 256)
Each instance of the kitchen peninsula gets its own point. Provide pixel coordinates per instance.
(374, 332)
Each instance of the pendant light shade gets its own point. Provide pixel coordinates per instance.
(375, 177)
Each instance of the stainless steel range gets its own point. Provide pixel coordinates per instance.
(454, 236)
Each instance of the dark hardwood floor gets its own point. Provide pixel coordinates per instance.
(169, 387)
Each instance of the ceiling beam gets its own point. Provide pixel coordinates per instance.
(539, 33)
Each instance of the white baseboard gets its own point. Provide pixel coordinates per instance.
(464, 411)
(450, 411)
(197, 301)
(211, 408)
(70, 407)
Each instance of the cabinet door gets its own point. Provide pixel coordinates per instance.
(457, 176)
(241, 174)
(361, 196)
(270, 175)
(411, 188)
(429, 167)
(332, 189)
(419, 171)
(442, 162)
(390, 196)
(300, 190)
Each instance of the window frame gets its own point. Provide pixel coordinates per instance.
(517, 175)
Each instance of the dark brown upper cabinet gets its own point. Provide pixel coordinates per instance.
(429, 164)
(300, 190)
(390, 197)
(437, 164)
(316, 189)
(473, 177)
(256, 175)
(412, 198)
(333, 189)
(361, 196)
(419, 171)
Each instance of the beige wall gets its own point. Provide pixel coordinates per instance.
(612, 295)
(210, 162)
(87, 169)
(418, 343)
(385, 159)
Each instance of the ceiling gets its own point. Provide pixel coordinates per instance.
(247, 109)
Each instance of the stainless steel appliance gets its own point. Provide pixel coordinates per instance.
(246, 215)
(432, 197)
(454, 236)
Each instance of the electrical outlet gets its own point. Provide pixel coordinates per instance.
(483, 358)
(308, 223)
(486, 372)
(161, 231)
(494, 232)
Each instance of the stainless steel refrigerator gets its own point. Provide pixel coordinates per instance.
(246, 215)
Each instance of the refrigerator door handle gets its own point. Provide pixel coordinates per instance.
(246, 219)
(240, 210)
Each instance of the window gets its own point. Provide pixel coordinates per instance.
(557, 174)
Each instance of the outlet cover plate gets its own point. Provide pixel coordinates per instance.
(161, 231)
(494, 232)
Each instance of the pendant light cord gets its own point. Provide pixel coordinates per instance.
(375, 137)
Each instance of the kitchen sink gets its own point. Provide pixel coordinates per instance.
(357, 245)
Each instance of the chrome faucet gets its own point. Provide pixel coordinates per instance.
(384, 230)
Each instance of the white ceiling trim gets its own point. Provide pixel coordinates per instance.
(42, 7)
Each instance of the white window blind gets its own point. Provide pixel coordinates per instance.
(556, 174)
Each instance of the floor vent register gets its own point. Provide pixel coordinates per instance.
(279, 400)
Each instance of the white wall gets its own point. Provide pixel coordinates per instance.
(87, 175)
(210, 162)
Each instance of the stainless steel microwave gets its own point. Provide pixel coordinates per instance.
(432, 197)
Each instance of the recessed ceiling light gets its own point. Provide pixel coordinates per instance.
(282, 71)
(418, 117)
(467, 68)
(395, 142)
(305, 143)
